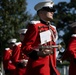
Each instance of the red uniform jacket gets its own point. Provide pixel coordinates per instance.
(7, 62)
(38, 65)
(17, 57)
(71, 55)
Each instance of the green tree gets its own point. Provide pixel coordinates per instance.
(13, 16)
(65, 14)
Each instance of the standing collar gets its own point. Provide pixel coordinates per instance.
(44, 22)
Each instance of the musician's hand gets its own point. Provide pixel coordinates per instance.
(24, 62)
(44, 53)
(40, 54)
(48, 51)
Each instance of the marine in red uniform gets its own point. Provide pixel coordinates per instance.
(70, 53)
(9, 67)
(38, 38)
(19, 58)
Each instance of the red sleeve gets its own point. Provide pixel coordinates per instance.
(6, 55)
(71, 50)
(72, 47)
(16, 54)
(6, 58)
(29, 39)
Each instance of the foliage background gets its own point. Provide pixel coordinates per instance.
(13, 16)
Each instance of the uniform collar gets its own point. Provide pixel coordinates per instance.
(44, 22)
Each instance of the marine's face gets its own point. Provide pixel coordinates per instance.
(47, 15)
(11, 45)
(21, 37)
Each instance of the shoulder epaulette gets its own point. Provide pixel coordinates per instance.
(7, 48)
(17, 43)
(73, 35)
(34, 22)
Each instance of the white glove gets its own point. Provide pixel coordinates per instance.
(24, 62)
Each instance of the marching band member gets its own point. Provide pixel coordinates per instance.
(9, 67)
(19, 58)
(70, 53)
(39, 40)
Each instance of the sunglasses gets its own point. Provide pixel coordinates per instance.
(48, 9)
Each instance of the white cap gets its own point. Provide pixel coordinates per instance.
(22, 31)
(44, 4)
(12, 40)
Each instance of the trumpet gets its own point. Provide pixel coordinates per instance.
(49, 47)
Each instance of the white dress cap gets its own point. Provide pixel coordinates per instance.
(22, 31)
(40, 5)
(12, 40)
